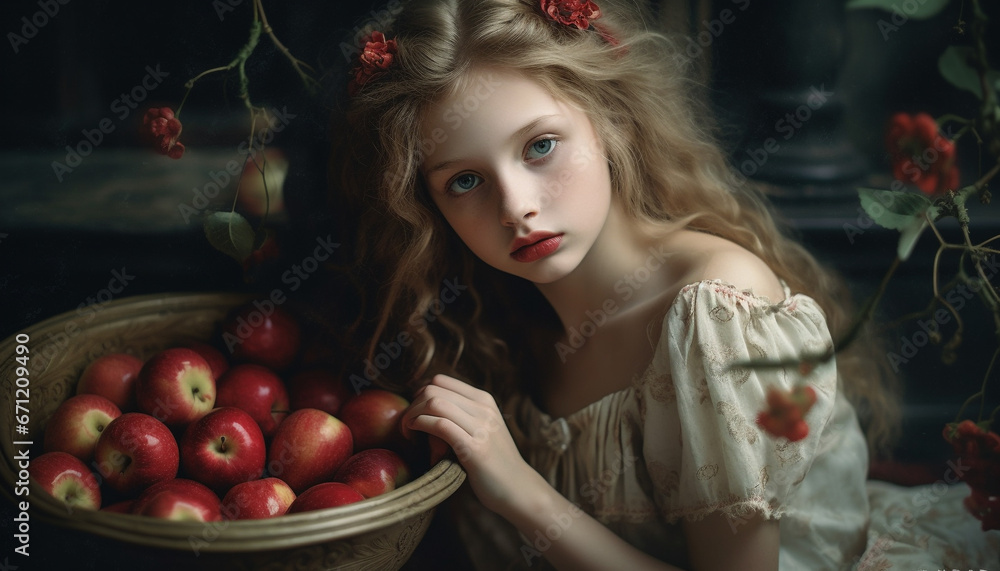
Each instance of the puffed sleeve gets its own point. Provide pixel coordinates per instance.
(702, 447)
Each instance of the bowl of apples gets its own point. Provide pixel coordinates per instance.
(184, 431)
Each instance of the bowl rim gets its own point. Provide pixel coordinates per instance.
(420, 496)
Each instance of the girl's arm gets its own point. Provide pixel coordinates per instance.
(470, 422)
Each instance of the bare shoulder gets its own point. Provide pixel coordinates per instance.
(709, 257)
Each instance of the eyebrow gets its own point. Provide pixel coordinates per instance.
(516, 135)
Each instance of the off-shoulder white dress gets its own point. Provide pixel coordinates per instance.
(681, 442)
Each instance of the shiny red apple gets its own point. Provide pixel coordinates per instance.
(77, 423)
(262, 332)
(176, 387)
(257, 499)
(179, 499)
(113, 377)
(373, 472)
(324, 495)
(307, 448)
(256, 390)
(136, 451)
(66, 478)
(215, 359)
(317, 388)
(373, 416)
(223, 448)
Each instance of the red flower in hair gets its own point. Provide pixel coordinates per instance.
(920, 154)
(577, 13)
(161, 127)
(375, 59)
(786, 411)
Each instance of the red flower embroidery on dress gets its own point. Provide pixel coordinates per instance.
(577, 13)
(920, 153)
(161, 127)
(978, 452)
(375, 59)
(786, 410)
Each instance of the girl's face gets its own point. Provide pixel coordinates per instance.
(519, 175)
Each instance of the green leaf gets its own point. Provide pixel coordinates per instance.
(916, 9)
(954, 67)
(908, 238)
(895, 209)
(231, 234)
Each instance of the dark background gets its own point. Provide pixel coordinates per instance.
(60, 241)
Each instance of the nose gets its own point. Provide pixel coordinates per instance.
(518, 200)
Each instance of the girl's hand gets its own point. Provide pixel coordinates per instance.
(468, 420)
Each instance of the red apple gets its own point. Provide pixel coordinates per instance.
(122, 507)
(223, 448)
(176, 386)
(136, 451)
(179, 500)
(257, 499)
(373, 417)
(374, 471)
(66, 478)
(263, 333)
(308, 447)
(317, 388)
(77, 423)
(113, 377)
(256, 390)
(215, 359)
(324, 495)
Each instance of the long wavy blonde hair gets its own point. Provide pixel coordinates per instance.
(666, 167)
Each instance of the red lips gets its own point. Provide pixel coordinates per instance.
(535, 246)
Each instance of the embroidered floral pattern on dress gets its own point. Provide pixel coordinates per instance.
(739, 428)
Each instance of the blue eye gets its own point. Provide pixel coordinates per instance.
(541, 148)
(464, 183)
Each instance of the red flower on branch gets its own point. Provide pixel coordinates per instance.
(375, 59)
(786, 411)
(161, 127)
(577, 13)
(920, 154)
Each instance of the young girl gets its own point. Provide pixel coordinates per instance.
(552, 227)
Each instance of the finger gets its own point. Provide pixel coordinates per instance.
(462, 388)
(445, 405)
